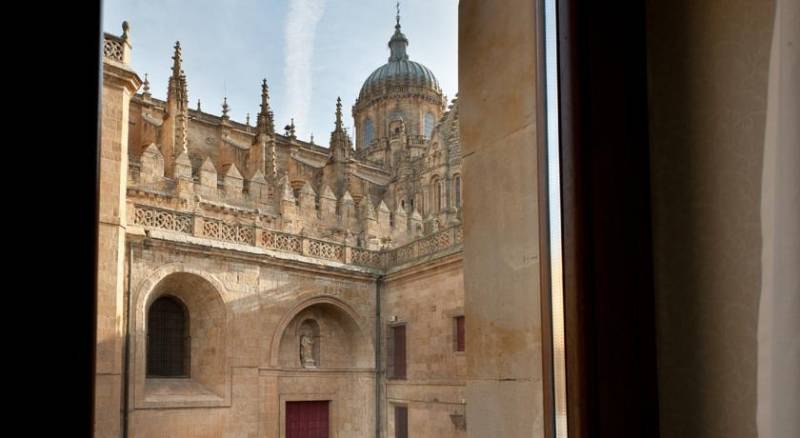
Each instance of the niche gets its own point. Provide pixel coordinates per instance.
(308, 341)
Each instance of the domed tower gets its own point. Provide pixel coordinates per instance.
(397, 108)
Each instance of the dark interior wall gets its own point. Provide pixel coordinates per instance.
(708, 66)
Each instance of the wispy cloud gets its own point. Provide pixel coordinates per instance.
(301, 26)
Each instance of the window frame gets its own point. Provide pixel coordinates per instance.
(436, 194)
(428, 123)
(457, 190)
(463, 332)
(186, 338)
(391, 363)
(369, 131)
(400, 408)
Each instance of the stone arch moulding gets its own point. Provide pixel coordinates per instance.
(146, 286)
(360, 323)
(215, 380)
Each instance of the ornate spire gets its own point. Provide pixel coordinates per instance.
(177, 94)
(225, 108)
(265, 123)
(339, 114)
(340, 144)
(247, 120)
(290, 130)
(398, 42)
(125, 28)
(264, 97)
(184, 91)
(146, 89)
(176, 60)
(198, 105)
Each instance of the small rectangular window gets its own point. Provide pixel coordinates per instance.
(459, 333)
(401, 422)
(396, 352)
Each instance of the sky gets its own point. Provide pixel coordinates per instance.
(310, 51)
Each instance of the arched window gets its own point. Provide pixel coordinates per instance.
(369, 132)
(167, 339)
(428, 125)
(457, 190)
(436, 194)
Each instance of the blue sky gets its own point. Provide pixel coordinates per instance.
(328, 51)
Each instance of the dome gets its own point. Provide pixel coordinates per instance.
(399, 70)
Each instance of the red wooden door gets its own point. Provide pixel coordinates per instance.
(307, 419)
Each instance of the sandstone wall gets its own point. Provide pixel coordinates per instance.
(426, 298)
(249, 304)
(501, 233)
(119, 83)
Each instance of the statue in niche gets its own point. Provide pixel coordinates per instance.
(307, 352)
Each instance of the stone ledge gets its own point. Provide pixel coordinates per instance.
(171, 236)
(163, 393)
(318, 372)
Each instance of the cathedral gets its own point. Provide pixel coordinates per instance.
(253, 284)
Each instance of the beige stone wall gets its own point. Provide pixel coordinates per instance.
(497, 77)
(351, 395)
(708, 64)
(413, 110)
(239, 385)
(118, 86)
(426, 299)
(253, 309)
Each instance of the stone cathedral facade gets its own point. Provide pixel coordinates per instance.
(252, 284)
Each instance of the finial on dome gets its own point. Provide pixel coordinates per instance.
(398, 42)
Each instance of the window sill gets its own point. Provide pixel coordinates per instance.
(179, 393)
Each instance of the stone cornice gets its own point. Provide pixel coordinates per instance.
(249, 232)
(207, 246)
(119, 75)
(367, 101)
(425, 265)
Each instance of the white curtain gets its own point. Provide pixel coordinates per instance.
(778, 413)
